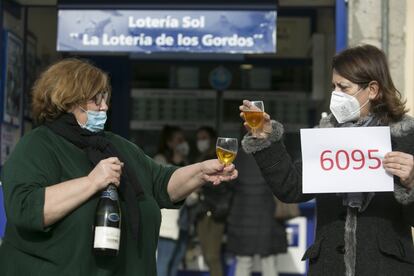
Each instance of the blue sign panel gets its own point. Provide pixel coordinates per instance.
(292, 234)
(149, 31)
(220, 78)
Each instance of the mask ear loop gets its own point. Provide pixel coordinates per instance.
(83, 125)
(358, 91)
(362, 106)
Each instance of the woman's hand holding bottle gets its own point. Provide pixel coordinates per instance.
(107, 171)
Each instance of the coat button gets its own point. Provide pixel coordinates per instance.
(340, 249)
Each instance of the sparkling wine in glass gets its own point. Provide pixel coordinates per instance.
(226, 149)
(254, 116)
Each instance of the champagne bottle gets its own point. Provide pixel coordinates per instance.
(108, 223)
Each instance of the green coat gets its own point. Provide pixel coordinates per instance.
(41, 159)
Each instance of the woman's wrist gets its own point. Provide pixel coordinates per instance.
(200, 174)
(252, 144)
(90, 185)
(403, 194)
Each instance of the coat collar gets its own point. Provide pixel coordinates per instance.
(398, 129)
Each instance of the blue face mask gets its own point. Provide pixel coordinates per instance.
(96, 120)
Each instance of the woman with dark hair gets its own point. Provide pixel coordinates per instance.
(356, 233)
(54, 177)
(173, 147)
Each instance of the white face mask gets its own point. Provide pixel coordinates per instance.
(203, 145)
(183, 148)
(345, 107)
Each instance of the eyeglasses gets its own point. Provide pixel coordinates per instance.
(101, 96)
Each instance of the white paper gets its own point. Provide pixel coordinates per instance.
(342, 178)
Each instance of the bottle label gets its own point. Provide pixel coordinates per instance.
(107, 237)
(114, 217)
(111, 194)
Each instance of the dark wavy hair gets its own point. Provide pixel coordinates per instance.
(211, 152)
(211, 132)
(364, 64)
(167, 134)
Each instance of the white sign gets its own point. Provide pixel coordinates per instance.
(344, 160)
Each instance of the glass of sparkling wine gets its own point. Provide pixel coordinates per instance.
(226, 150)
(254, 116)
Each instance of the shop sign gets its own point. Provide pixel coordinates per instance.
(147, 31)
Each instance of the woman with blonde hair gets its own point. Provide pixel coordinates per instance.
(52, 181)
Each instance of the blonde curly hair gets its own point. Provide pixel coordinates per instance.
(65, 84)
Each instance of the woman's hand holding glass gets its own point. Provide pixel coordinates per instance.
(215, 172)
(221, 169)
(257, 122)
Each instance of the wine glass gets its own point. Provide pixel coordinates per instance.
(226, 150)
(254, 116)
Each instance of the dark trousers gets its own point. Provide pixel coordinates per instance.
(210, 234)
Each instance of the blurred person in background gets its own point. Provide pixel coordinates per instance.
(252, 229)
(213, 206)
(173, 150)
(356, 233)
(53, 179)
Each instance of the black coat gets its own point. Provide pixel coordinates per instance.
(384, 243)
(252, 228)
